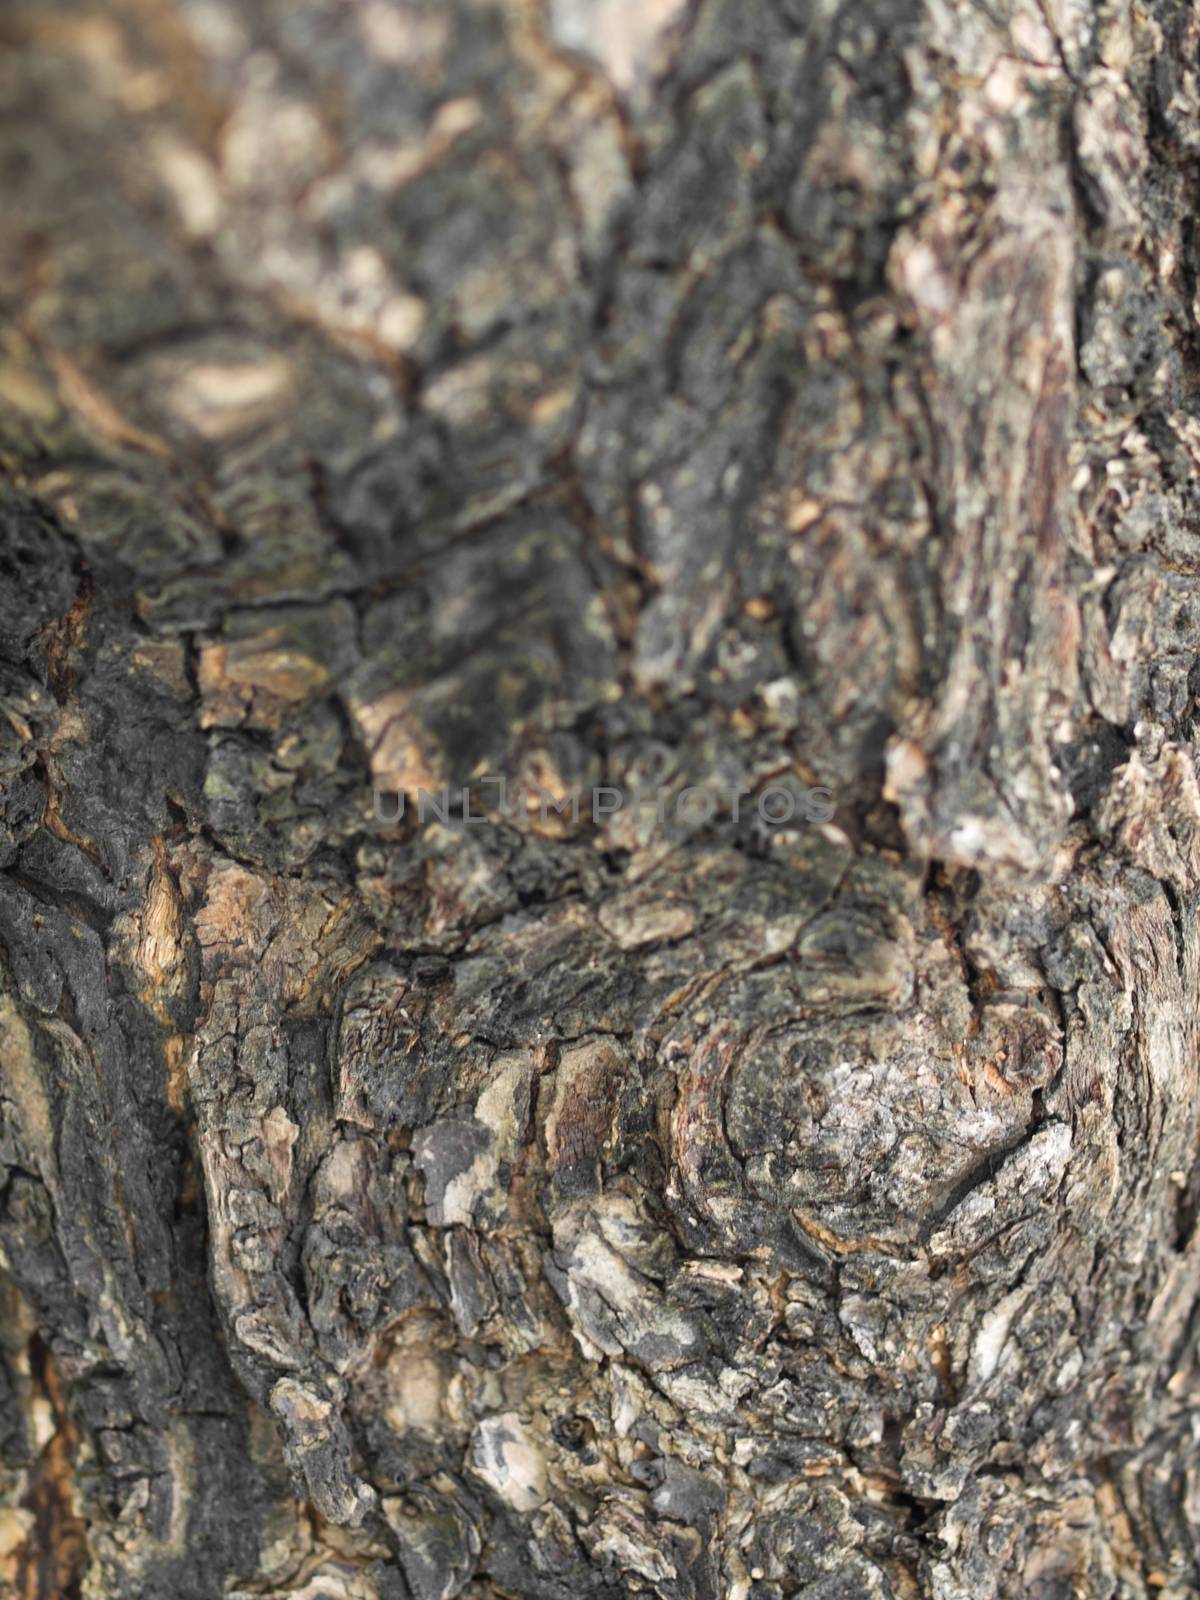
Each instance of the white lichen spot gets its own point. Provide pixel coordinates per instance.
(993, 1334)
(218, 399)
(191, 181)
(402, 321)
(621, 35)
(507, 1459)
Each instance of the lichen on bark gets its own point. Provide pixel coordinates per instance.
(718, 396)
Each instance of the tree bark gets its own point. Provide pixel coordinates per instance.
(789, 1189)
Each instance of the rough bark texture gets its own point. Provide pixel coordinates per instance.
(724, 395)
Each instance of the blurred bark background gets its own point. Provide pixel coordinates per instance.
(717, 394)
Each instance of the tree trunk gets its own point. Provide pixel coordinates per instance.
(438, 1155)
